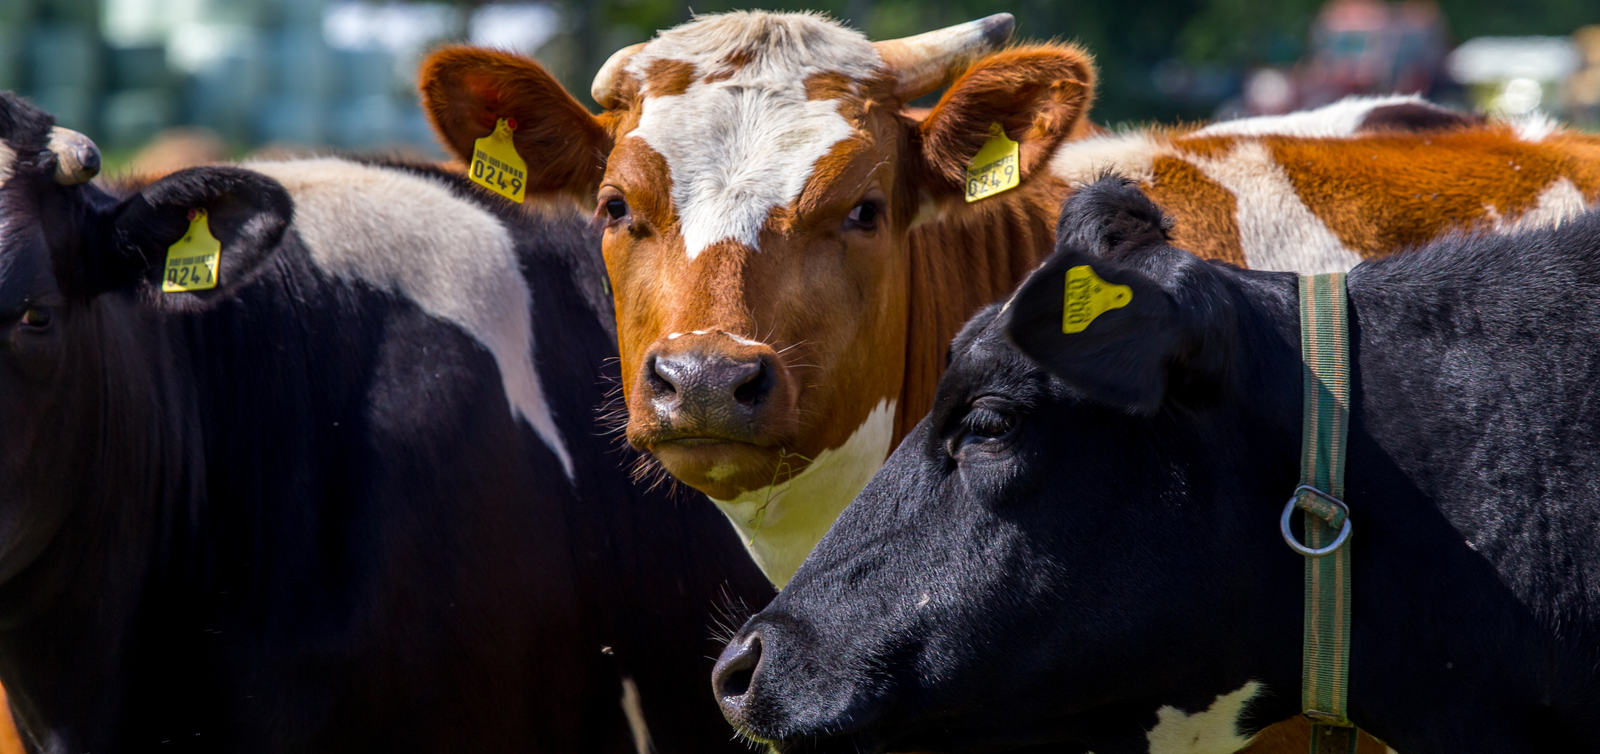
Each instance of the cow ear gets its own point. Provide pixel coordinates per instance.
(1039, 94)
(1119, 342)
(245, 211)
(467, 90)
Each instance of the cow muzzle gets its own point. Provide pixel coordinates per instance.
(716, 409)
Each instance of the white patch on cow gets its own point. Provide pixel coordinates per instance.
(405, 234)
(633, 709)
(1276, 229)
(742, 146)
(1534, 127)
(8, 157)
(674, 335)
(1131, 154)
(740, 340)
(1557, 203)
(782, 523)
(1336, 121)
(1213, 731)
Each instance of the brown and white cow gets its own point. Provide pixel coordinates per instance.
(782, 324)
(790, 250)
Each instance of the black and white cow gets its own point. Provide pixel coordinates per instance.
(1079, 549)
(353, 499)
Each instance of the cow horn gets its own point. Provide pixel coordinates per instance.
(77, 158)
(922, 63)
(604, 89)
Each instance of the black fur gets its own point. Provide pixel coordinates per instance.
(296, 514)
(1045, 561)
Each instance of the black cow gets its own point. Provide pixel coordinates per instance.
(352, 499)
(1079, 549)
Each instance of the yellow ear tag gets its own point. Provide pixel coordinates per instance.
(192, 261)
(497, 166)
(995, 168)
(1088, 297)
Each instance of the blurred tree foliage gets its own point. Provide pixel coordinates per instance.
(1129, 40)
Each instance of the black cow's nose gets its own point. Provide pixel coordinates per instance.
(734, 672)
(704, 378)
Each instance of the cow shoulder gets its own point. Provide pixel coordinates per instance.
(410, 235)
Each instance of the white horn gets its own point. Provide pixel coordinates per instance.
(924, 62)
(77, 158)
(604, 89)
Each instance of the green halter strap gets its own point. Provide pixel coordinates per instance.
(1325, 670)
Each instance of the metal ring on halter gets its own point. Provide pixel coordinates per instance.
(1288, 536)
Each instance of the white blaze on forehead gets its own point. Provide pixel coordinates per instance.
(408, 235)
(743, 145)
(1214, 730)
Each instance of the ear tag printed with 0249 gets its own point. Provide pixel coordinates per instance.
(497, 166)
(192, 261)
(995, 168)
(1088, 297)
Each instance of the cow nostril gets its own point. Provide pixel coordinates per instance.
(734, 674)
(756, 386)
(661, 380)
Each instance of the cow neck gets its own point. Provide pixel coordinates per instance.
(971, 256)
(118, 478)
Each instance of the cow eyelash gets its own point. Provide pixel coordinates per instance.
(987, 420)
(864, 216)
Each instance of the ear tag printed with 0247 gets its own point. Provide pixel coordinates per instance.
(1088, 297)
(995, 168)
(192, 261)
(497, 166)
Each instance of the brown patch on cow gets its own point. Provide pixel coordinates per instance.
(1207, 147)
(828, 85)
(465, 90)
(1204, 213)
(645, 180)
(1382, 193)
(1039, 94)
(1416, 117)
(1582, 152)
(1294, 735)
(668, 78)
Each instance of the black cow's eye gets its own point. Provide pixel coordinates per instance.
(986, 422)
(36, 317)
(864, 216)
(616, 208)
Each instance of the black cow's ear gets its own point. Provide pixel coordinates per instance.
(1108, 331)
(246, 211)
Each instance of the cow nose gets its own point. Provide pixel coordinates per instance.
(711, 378)
(734, 672)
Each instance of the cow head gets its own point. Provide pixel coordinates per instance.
(1078, 548)
(64, 244)
(758, 177)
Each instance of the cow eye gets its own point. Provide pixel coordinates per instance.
(864, 216)
(616, 208)
(987, 421)
(36, 317)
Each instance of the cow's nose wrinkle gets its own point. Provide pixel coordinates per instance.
(753, 387)
(735, 671)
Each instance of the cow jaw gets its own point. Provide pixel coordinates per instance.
(780, 523)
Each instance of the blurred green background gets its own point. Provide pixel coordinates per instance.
(314, 73)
